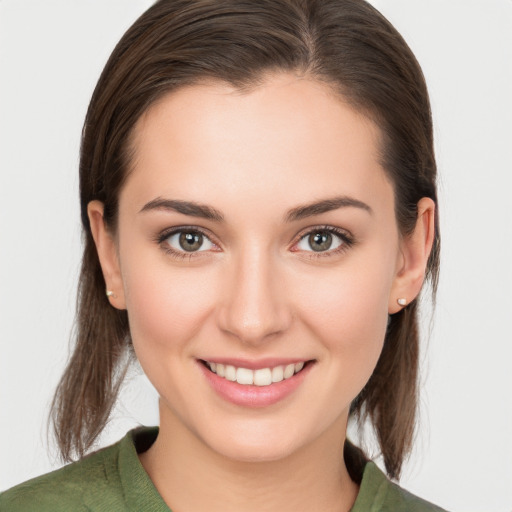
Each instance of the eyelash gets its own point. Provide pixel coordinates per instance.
(181, 255)
(346, 238)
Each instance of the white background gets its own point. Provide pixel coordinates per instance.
(51, 54)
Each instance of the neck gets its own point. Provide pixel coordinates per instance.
(191, 476)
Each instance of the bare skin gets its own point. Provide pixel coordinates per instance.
(231, 485)
(257, 286)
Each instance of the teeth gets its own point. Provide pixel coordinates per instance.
(244, 376)
(277, 374)
(289, 371)
(230, 373)
(261, 377)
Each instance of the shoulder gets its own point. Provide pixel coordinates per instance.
(69, 488)
(378, 493)
(404, 500)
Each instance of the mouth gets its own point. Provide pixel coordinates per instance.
(257, 377)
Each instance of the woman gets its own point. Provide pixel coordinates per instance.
(259, 207)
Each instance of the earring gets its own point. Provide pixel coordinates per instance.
(402, 301)
(110, 293)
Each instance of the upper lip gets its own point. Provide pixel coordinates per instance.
(251, 364)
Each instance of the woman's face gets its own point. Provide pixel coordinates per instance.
(257, 231)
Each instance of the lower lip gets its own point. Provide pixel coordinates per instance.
(254, 396)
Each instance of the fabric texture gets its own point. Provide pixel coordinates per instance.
(113, 480)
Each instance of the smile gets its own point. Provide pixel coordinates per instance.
(259, 377)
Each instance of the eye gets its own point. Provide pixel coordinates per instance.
(189, 241)
(321, 240)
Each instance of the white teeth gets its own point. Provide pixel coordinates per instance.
(277, 374)
(244, 376)
(230, 372)
(263, 377)
(260, 377)
(289, 371)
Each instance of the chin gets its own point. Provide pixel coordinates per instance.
(255, 452)
(261, 443)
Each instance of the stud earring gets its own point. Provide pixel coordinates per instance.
(110, 293)
(402, 302)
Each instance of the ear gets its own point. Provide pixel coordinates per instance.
(415, 251)
(107, 254)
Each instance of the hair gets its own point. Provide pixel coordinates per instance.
(346, 44)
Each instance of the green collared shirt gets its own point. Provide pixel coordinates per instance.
(113, 479)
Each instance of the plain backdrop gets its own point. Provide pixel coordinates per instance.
(51, 54)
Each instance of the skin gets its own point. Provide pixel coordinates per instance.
(258, 290)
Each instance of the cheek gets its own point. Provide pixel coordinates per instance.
(166, 305)
(349, 314)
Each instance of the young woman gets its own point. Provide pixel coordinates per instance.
(258, 200)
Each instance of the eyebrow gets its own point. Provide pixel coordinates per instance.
(325, 205)
(185, 207)
(300, 212)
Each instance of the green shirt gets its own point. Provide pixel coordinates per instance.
(113, 479)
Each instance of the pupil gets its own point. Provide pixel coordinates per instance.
(320, 241)
(191, 241)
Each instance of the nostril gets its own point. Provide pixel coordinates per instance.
(254, 309)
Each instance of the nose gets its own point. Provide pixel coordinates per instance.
(254, 306)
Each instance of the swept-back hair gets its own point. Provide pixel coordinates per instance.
(346, 44)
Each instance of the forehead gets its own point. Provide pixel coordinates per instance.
(289, 136)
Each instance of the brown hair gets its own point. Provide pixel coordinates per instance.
(344, 43)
